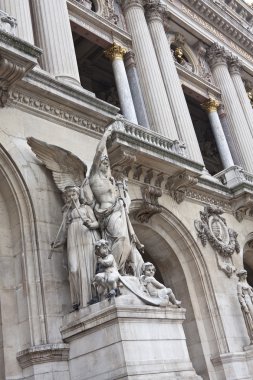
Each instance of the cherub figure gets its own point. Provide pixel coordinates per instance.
(153, 287)
(107, 276)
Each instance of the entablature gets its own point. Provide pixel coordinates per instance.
(90, 24)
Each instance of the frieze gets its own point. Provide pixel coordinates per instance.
(213, 27)
(24, 100)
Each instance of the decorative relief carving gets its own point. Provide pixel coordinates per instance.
(242, 207)
(203, 68)
(10, 72)
(213, 228)
(150, 205)
(109, 12)
(58, 112)
(178, 184)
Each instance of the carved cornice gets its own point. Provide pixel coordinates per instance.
(211, 105)
(216, 55)
(234, 65)
(43, 354)
(115, 52)
(216, 16)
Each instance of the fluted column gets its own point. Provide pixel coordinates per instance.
(235, 72)
(211, 106)
(180, 111)
(227, 132)
(116, 53)
(20, 9)
(217, 58)
(135, 89)
(154, 93)
(54, 37)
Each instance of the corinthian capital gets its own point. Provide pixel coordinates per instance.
(126, 4)
(216, 55)
(115, 52)
(210, 105)
(154, 10)
(234, 65)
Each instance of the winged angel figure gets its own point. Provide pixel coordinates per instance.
(93, 205)
(79, 227)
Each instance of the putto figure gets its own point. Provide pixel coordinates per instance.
(107, 277)
(153, 287)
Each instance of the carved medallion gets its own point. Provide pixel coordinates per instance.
(213, 228)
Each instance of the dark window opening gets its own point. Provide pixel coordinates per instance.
(95, 70)
(205, 136)
(248, 262)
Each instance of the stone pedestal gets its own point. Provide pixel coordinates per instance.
(123, 339)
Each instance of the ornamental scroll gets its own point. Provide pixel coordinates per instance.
(213, 228)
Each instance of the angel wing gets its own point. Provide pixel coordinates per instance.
(67, 169)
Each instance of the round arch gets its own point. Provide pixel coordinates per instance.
(174, 251)
(20, 293)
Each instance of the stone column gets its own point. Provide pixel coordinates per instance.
(116, 53)
(227, 132)
(180, 111)
(211, 106)
(154, 93)
(53, 35)
(135, 89)
(242, 139)
(20, 9)
(235, 72)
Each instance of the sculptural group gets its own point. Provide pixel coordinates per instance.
(102, 247)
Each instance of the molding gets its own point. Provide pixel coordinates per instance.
(178, 184)
(16, 59)
(89, 21)
(45, 353)
(224, 22)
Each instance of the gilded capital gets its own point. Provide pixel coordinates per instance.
(210, 105)
(115, 52)
(216, 55)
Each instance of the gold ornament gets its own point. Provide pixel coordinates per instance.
(115, 52)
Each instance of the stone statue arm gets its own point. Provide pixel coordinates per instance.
(91, 222)
(99, 152)
(156, 283)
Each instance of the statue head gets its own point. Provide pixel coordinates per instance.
(101, 248)
(71, 193)
(241, 274)
(148, 269)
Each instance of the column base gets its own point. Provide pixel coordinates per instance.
(123, 338)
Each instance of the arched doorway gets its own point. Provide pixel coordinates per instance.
(20, 327)
(170, 246)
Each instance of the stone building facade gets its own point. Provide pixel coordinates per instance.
(174, 79)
